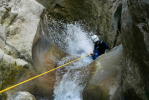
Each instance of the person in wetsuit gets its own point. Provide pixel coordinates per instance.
(99, 47)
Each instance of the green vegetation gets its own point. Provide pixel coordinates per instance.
(9, 75)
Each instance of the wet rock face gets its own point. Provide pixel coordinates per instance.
(135, 33)
(98, 16)
(109, 15)
(106, 78)
(45, 54)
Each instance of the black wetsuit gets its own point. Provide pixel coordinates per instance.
(99, 49)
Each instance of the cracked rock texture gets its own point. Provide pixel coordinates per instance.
(19, 20)
(18, 25)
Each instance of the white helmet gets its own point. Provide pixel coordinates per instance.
(95, 38)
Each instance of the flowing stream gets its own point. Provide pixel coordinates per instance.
(71, 80)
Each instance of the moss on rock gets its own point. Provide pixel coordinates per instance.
(9, 75)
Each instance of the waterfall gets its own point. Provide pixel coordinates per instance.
(79, 42)
(71, 80)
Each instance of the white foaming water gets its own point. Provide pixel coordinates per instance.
(69, 88)
(70, 85)
(79, 42)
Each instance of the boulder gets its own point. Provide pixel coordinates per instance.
(106, 78)
(45, 54)
(21, 95)
(19, 22)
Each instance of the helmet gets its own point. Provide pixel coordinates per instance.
(95, 38)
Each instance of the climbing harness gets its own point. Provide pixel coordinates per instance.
(37, 76)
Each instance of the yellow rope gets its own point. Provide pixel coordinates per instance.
(32, 78)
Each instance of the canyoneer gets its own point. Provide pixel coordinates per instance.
(99, 47)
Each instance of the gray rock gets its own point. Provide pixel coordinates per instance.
(21, 95)
(106, 78)
(20, 20)
(10, 60)
(18, 25)
(135, 33)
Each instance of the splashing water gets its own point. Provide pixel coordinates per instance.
(79, 42)
(72, 83)
(72, 80)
